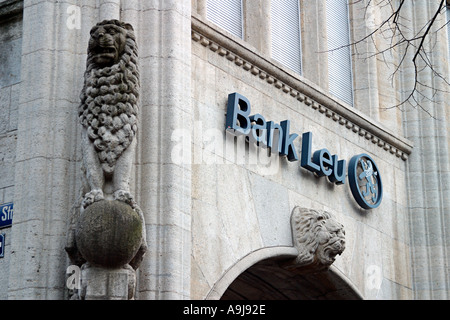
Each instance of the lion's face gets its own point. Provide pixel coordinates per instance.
(318, 237)
(331, 241)
(107, 44)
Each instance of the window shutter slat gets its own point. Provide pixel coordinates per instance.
(285, 32)
(339, 53)
(226, 14)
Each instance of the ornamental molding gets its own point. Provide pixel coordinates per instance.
(239, 52)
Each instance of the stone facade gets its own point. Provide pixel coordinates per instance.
(11, 39)
(218, 209)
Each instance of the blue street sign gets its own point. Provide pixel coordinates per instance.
(6, 215)
(2, 245)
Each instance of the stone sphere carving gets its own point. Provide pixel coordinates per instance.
(109, 233)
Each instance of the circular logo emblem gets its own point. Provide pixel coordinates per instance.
(365, 181)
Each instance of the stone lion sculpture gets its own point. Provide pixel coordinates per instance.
(108, 111)
(107, 228)
(318, 237)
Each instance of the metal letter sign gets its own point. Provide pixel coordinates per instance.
(6, 215)
(363, 175)
(365, 181)
(2, 245)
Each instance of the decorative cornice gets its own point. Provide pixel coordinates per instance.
(243, 55)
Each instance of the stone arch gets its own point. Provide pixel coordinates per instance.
(260, 276)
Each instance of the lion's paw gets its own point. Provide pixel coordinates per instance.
(125, 196)
(91, 197)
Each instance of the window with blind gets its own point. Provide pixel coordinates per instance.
(339, 51)
(226, 14)
(285, 32)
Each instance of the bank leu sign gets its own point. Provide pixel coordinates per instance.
(363, 174)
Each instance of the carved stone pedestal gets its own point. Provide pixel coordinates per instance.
(107, 284)
(109, 238)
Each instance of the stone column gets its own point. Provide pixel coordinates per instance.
(363, 15)
(163, 169)
(47, 160)
(47, 170)
(428, 165)
(109, 9)
(374, 78)
(257, 25)
(199, 6)
(314, 42)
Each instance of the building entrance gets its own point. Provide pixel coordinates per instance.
(268, 280)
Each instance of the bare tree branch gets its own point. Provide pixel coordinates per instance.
(393, 29)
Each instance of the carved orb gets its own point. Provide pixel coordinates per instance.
(109, 233)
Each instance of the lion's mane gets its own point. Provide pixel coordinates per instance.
(317, 236)
(109, 102)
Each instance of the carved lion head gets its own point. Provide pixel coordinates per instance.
(107, 42)
(318, 237)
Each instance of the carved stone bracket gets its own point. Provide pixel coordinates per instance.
(318, 237)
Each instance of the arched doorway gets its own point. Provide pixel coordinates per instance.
(267, 279)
